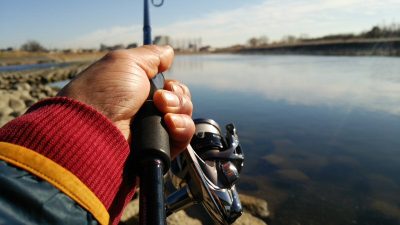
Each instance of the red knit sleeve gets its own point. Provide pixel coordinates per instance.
(82, 140)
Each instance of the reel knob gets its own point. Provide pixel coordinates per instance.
(229, 173)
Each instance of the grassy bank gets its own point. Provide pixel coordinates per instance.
(23, 57)
(355, 47)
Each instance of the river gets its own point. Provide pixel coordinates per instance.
(321, 134)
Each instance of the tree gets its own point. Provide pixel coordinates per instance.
(253, 42)
(32, 46)
(263, 40)
(257, 42)
(375, 32)
(289, 39)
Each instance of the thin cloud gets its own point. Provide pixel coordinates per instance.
(272, 18)
(112, 36)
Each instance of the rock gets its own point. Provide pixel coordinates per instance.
(24, 95)
(5, 111)
(14, 86)
(293, 175)
(25, 86)
(29, 102)
(386, 208)
(130, 215)
(16, 104)
(248, 219)
(182, 218)
(275, 160)
(4, 99)
(15, 114)
(44, 80)
(5, 119)
(42, 96)
(255, 206)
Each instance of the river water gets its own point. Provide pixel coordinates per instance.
(321, 134)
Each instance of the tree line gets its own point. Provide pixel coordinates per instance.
(376, 32)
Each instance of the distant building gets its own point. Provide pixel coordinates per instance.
(104, 47)
(133, 45)
(206, 48)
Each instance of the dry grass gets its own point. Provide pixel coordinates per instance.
(22, 57)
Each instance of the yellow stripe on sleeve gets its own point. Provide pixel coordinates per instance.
(57, 175)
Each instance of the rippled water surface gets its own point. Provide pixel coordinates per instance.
(321, 134)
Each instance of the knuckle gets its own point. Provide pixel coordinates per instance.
(186, 90)
(116, 55)
(186, 104)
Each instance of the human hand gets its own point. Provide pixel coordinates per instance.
(118, 84)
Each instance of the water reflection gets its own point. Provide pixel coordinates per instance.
(371, 83)
(321, 134)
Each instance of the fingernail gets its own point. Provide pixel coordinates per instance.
(178, 121)
(176, 88)
(171, 99)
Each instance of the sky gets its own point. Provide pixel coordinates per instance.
(219, 23)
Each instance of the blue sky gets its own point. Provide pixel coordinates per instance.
(86, 23)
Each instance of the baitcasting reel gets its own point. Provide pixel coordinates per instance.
(207, 173)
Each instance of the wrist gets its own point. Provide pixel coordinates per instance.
(80, 139)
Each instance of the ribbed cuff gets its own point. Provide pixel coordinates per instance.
(81, 140)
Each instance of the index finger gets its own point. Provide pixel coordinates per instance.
(152, 59)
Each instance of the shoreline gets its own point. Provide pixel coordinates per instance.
(351, 47)
(361, 47)
(21, 89)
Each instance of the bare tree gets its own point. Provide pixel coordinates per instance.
(253, 42)
(32, 46)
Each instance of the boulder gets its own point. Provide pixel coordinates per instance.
(25, 95)
(42, 96)
(30, 102)
(15, 114)
(255, 206)
(248, 219)
(131, 213)
(5, 119)
(255, 211)
(16, 104)
(4, 99)
(181, 217)
(25, 86)
(5, 111)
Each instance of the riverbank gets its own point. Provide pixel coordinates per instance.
(15, 58)
(8, 58)
(348, 47)
(255, 212)
(21, 89)
(357, 47)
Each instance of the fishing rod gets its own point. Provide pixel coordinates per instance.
(151, 146)
(206, 172)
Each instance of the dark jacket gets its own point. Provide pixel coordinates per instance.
(74, 149)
